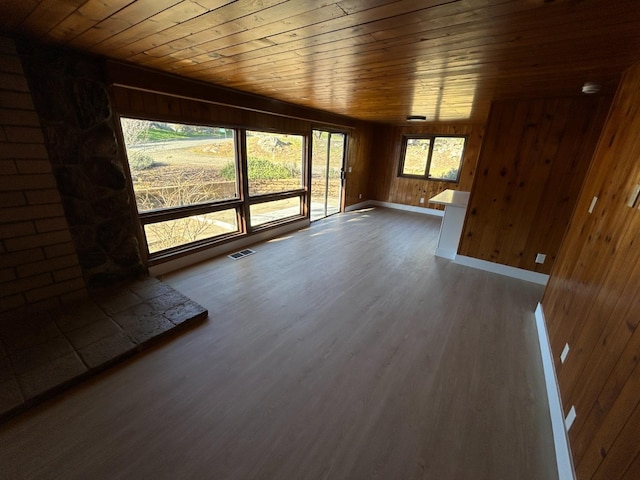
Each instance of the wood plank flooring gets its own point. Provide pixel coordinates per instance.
(344, 351)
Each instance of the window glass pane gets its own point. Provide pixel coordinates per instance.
(334, 186)
(446, 158)
(172, 233)
(415, 156)
(274, 162)
(175, 164)
(276, 210)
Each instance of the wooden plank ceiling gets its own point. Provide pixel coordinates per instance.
(377, 60)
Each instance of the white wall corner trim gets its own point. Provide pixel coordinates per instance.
(446, 253)
(506, 270)
(226, 248)
(408, 208)
(564, 461)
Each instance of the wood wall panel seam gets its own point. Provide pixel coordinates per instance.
(592, 303)
(528, 155)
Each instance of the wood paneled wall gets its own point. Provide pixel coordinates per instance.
(359, 156)
(155, 81)
(534, 159)
(387, 186)
(138, 103)
(592, 302)
(143, 93)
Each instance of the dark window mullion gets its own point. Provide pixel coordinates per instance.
(405, 146)
(306, 201)
(272, 197)
(243, 171)
(162, 215)
(432, 141)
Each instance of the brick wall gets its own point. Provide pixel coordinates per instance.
(38, 262)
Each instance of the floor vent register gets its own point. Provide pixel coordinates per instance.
(241, 254)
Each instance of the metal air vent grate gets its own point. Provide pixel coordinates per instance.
(241, 254)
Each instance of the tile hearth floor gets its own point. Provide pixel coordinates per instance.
(46, 352)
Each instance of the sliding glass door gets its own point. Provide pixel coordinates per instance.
(327, 173)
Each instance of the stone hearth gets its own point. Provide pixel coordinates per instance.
(49, 351)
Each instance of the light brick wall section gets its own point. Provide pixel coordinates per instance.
(38, 264)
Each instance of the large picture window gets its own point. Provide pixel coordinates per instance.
(185, 181)
(274, 162)
(174, 165)
(275, 176)
(193, 187)
(432, 157)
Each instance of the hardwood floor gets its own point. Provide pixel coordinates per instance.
(345, 351)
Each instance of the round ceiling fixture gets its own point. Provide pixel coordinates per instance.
(590, 87)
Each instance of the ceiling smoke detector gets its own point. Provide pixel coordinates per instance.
(590, 87)
(416, 118)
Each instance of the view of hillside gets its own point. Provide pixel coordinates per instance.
(174, 165)
(445, 158)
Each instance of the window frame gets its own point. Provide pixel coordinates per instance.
(171, 252)
(159, 215)
(432, 140)
(241, 204)
(304, 159)
(249, 200)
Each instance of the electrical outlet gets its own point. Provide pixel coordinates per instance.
(593, 204)
(570, 418)
(360, 196)
(540, 258)
(350, 169)
(565, 352)
(421, 199)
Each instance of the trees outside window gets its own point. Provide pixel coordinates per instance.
(189, 180)
(432, 157)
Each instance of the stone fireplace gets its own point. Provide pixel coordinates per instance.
(74, 294)
(70, 93)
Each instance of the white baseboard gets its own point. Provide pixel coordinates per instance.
(564, 461)
(407, 208)
(444, 253)
(520, 273)
(226, 248)
(358, 206)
